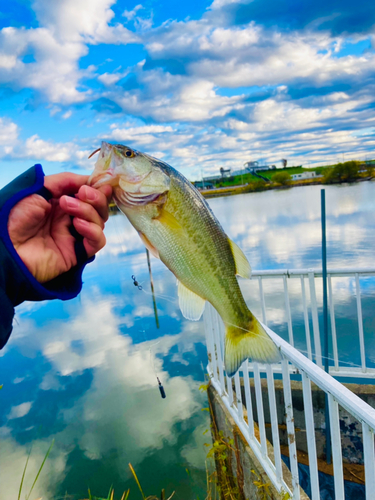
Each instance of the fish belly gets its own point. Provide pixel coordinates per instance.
(196, 249)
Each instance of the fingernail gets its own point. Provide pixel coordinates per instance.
(91, 194)
(83, 222)
(72, 202)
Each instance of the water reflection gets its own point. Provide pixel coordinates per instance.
(84, 372)
(282, 228)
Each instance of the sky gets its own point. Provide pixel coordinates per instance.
(199, 84)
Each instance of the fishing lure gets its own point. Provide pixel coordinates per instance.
(135, 282)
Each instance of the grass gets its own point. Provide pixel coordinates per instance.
(238, 180)
(38, 474)
(111, 493)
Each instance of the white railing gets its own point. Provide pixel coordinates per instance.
(338, 367)
(337, 394)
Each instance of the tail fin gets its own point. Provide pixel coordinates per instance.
(241, 344)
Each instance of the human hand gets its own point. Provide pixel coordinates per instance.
(39, 229)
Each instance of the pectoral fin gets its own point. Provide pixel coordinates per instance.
(191, 304)
(169, 220)
(243, 268)
(150, 247)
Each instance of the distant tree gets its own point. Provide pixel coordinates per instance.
(328, 176)
(370, 170)
(282, 178)
(260, 185)
(255, 186)
(342, 172)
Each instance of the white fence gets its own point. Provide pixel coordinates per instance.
(310, 306)
(337, 395)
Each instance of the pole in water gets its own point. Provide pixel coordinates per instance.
(325, 318)
(161, 389)
(152, 288)
(324, 266)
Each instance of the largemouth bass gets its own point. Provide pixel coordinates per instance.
(177, 226)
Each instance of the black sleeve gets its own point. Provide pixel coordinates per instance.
(16, 282)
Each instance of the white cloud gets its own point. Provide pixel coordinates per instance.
(19, 410)
(123, 378)
(218, 4)
(8, 135)
(13, 457)
(78, 20)
(67, 114)
(67, 27)
(130, 14)
(229, 98)
(37, 148)
(109, 78)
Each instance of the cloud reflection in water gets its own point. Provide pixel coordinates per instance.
(85, 369)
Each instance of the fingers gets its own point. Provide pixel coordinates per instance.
(66, 183)
(93, 236)
(98, 198)
(90, 211)
(89, 207)
(81, 209)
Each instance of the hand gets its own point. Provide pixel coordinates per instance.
(39, 229)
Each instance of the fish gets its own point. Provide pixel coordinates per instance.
(177, 226)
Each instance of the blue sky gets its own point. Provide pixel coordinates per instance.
(200, 84)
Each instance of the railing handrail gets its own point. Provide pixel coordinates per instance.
(337, 395)
(271, 273)
(346, 398)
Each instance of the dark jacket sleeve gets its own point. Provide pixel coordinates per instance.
(16, 282)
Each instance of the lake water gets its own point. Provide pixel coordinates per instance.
(84, 372)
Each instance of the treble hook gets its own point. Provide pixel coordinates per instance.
(136, 282)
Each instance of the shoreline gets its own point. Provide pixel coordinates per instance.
(244, 189)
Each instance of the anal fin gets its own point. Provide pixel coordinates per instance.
(191, 304)
(150, 247)
(243, 268)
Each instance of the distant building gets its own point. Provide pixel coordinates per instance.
(203, 184)
(225, 172)
(211, 179)
(253, 166)
(304, 175)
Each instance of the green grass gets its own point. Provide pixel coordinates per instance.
(237, 180)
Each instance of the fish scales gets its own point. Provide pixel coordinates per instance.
(175, 222)
(205, 263)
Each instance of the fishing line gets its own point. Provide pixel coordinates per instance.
(299, 350)
(268, 339)
(332, 359)
(161, 388)
(161, 296)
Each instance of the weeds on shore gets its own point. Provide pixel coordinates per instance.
(38, 474)
(126, 494)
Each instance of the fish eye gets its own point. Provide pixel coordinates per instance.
(129, 153)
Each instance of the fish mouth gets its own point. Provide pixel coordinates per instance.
(97, 180)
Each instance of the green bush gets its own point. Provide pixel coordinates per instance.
(282, 178)
(342, 172)
(370, 170)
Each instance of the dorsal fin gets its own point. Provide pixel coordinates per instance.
(243, 268)
(191, 304)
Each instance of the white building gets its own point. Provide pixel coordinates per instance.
(304, 175)
(253, 166)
